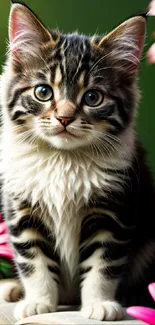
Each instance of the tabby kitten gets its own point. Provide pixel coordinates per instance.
(77, 196)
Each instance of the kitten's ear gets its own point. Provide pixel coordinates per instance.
(25, 30)
(125, 44)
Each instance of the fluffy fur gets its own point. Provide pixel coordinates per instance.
(76, 191)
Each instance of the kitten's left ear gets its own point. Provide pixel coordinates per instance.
(25, 30)
(124, 45)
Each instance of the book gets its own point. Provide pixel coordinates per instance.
(70, 318)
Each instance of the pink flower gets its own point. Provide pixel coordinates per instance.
(151, 8)
(151, 54)
(142, 313)
(151, 51)
(5, 249)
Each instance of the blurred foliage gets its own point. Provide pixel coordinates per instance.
(99, 16)
(7, 269)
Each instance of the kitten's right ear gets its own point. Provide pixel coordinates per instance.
(26, 32)
(124, 45)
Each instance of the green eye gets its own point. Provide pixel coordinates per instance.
(43, 93)
(93, 98)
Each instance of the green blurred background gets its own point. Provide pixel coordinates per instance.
(92, 16)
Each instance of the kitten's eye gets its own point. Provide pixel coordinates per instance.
(43, 93)
(93, 98)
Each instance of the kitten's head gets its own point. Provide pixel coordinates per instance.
(70, 90)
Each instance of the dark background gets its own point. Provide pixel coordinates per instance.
(99, 16)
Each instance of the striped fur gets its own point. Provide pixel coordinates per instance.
(77, 197)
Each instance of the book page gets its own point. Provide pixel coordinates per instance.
(6, 314)
(67, 318)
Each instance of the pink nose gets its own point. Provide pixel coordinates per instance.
(65, 112)
(65, 120)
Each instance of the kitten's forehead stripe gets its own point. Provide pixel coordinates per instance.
(58, 75)
(53, 68)
(81, 79)
(74, 54)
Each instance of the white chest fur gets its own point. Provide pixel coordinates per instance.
(61, 181)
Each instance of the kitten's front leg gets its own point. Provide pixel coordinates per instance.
(36, 261)
(98, 292)
(99, 275)
(41, 294)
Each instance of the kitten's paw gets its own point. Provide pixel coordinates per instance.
(26, 308)
(105, 310)
(11, 291)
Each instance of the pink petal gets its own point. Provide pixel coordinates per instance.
(142, 313)
(4, 238)
(6, 251)
(3, 227)
(152, 8)
(151, 288)
(6, 254)
(151, 54)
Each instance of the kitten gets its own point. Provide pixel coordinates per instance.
(77, 196)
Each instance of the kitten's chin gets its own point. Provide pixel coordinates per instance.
(68, 142)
